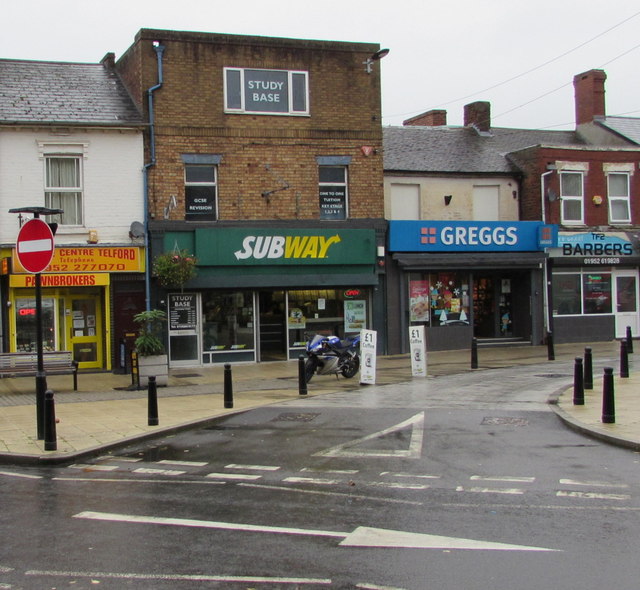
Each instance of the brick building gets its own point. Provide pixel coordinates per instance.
(264, 161)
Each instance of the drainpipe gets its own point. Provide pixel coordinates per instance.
(545, 291)
(159, 49)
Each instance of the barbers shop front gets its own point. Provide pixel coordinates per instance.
(594, 286)
(464, 279)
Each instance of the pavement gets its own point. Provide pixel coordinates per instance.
(107, 412)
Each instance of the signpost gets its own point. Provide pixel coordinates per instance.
(34, 248)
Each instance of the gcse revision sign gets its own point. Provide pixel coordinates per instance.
(34, 246)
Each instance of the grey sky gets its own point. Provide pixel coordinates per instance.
(443, 54)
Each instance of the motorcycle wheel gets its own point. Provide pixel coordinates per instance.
(310, 369)
(351, 367)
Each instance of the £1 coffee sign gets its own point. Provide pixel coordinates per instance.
(470, 236)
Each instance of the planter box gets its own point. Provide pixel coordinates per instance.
(157, 365)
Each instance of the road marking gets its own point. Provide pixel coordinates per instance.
(513, 491)
(505, 478)
(326, 493)
(416, 423)
(311, 480)
(364, 586)
(410, 475)
(137, 480)
(592, 495)
(183, 463)
(243, 476)
(594, 484)
(332, 471)
(149, 471)
(93, 467)
(360, 537)
(253, 467)
(397, 485)
(178, 577)
(23, 475)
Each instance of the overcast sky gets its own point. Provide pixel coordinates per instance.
(520, 55)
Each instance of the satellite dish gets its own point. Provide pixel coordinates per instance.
(136, 230)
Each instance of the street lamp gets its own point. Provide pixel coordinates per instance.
(41, 377)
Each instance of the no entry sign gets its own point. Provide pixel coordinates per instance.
(35, 246)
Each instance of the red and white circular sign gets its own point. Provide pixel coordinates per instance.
(35, 246)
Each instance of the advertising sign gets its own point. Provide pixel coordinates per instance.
(183, 311)
(368, 339)
(418, 351)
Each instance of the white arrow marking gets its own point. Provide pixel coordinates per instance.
(360, 537)
(413, 452)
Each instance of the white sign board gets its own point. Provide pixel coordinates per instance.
(418, 351)
(368, 356)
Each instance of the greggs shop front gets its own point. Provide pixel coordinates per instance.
(80, 289)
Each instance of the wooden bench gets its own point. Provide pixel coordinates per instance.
(59, 362)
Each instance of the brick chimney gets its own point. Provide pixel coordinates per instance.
(433, 118)
(589, 95)
(478, 115)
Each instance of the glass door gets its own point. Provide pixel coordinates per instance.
(626, 303)
(84, 325)
(273, 326)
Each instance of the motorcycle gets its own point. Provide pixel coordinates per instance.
(328, 355)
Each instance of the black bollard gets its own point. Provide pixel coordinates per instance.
(50, 440)
(551, 354)
(152, 395)
(629, 340)
(474, 353)
(624, 360)
(302, 379)
(578, 383)
(588, 368)
(228, 387)
(608, 398)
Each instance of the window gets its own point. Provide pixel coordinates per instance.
(581, 293)
(333, 192)
(439, 299)
(63, 188)
(200, 192)
(571, 192)
(267, 92)
(619, 202)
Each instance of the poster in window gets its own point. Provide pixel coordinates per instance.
(332, 201)
(419, 307)
(200, 203)
(355, 315)
(183, 311)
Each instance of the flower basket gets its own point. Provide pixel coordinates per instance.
(174, 269)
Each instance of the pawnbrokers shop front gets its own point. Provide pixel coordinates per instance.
(466, 279)
(260, 293)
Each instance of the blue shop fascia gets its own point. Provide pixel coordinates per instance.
(594, 285)
(466, 279)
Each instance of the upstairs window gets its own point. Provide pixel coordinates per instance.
(333, 192)
(201, 186)
(266, 92)
(571, 195)
(619, 197)
(63, 188)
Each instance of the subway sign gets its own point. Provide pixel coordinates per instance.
(470, 236)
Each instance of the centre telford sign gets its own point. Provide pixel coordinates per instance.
(471, 236)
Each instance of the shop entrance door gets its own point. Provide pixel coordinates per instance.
(84, 329)
(492, 305)
(625, 299)
(272, 331)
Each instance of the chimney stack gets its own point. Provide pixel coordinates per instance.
(589, 95)
(433, 118)
(478, 115)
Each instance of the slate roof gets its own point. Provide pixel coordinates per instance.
(628, 127)
(462, 149)
(64, 93)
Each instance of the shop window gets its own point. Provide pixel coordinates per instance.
(200, 190)
(581, 293)
(63, 188)
(227, 322)
(333, 192)
(619, 198)
(439, 299)
(26, 338)
(266, 92)
(571, 195)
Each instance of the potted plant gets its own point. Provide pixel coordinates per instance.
(174, 269)
(152, 357)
